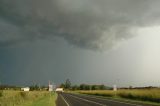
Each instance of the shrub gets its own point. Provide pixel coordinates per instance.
(1, 93)
(23, 94)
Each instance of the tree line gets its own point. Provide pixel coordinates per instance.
(67, 85)
(34, 87)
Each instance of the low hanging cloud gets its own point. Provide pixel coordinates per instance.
(91, 24)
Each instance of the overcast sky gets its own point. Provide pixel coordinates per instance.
(88, 41)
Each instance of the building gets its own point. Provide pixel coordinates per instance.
(25, 89)
(59, 90)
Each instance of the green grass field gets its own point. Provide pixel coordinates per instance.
(32, 98)
(147, 95)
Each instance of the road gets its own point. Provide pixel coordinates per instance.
(67, 99)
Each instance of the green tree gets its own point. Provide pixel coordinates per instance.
(93, 87)
(102, 87)
(62, 85)
(68, 84)
(75, 87)
(82, 87)
(34, 87)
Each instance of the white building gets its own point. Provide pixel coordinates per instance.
(25, 89)
(59, 90)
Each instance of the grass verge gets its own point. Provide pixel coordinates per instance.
(48, 100)
(147, 96)
(20, 98)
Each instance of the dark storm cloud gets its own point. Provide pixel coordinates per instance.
(93, 24)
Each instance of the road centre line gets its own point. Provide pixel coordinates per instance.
(111, 100)
(88, 101)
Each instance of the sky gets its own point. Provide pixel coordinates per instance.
(88, 41)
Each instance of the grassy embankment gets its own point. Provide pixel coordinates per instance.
(147, 95)
(32, 98)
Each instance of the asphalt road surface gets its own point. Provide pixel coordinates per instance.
(67, 99)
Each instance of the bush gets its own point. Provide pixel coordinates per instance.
(23, 94)
(1, 93)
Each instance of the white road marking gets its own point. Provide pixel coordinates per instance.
(112, 100)
(64, 100)
(88, 100)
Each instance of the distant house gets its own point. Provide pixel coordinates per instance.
(59, 90)
(25, 89)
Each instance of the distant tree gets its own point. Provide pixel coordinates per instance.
(9, 87)
(62, 85)
(68, 84)
(75, 87)
(102, 87)
(82, 87)
(43, 87)
(34, 87)
(93, 87)
(87, 87)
